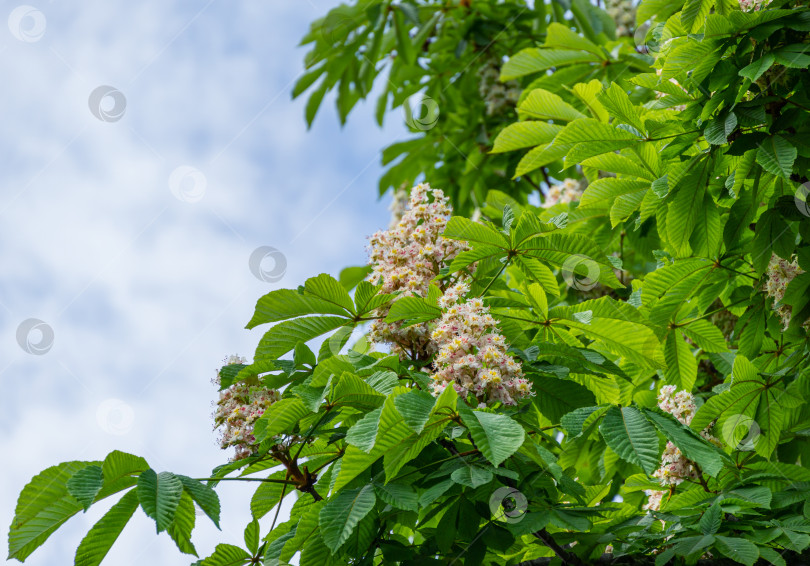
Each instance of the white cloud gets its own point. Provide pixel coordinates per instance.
(146, 294)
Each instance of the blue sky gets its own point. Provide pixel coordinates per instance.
(146, 292)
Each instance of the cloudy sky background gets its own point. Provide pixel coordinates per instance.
(147, 293)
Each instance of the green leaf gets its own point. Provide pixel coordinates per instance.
(544, 105)
(690, 443)
(592, 138)
(496, 436)
(776, 155)
(204, 496)
(284, 336)
(538, 272)
(736, 402)
(404, 46)
(340, 515)
(472, 476)
(524, 134)
(738, 549)
(616, 101)
(280, 417)
(350, 277)
(364, 432)
(85, 484)
(534, 60)
(227, 555)
(631, 436)
(159, 495)
(183, 524)
(706, 335)
(557, 397)
(287, 303)
(562, 37)
(267, 495)
(682, 215)
(460, 228)
(354, 392)
(399, 495)
(413, 309)
(681, 369)
(415, 408)
(42, 507)
(756, 69)
(120, 464)
(98, 541)
(329, 289)
(603, 192)
(306, 530)
(711, 519)
(718, 130)
(252, 536)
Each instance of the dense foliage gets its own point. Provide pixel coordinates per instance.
(592, 340)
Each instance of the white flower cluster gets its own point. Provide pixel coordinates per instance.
(753, 5)
(498, 96)
(238, 408)
(780, 273)
(623, 14)
(406, 258)
(570, 190)
(675, 467)
(472, 353)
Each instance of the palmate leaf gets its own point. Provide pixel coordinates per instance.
(558, 249)
(394, 438)
(630, 435)
(159, 495)
(98, 541)
(616, 325)
(496, 436)
(342, 513)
